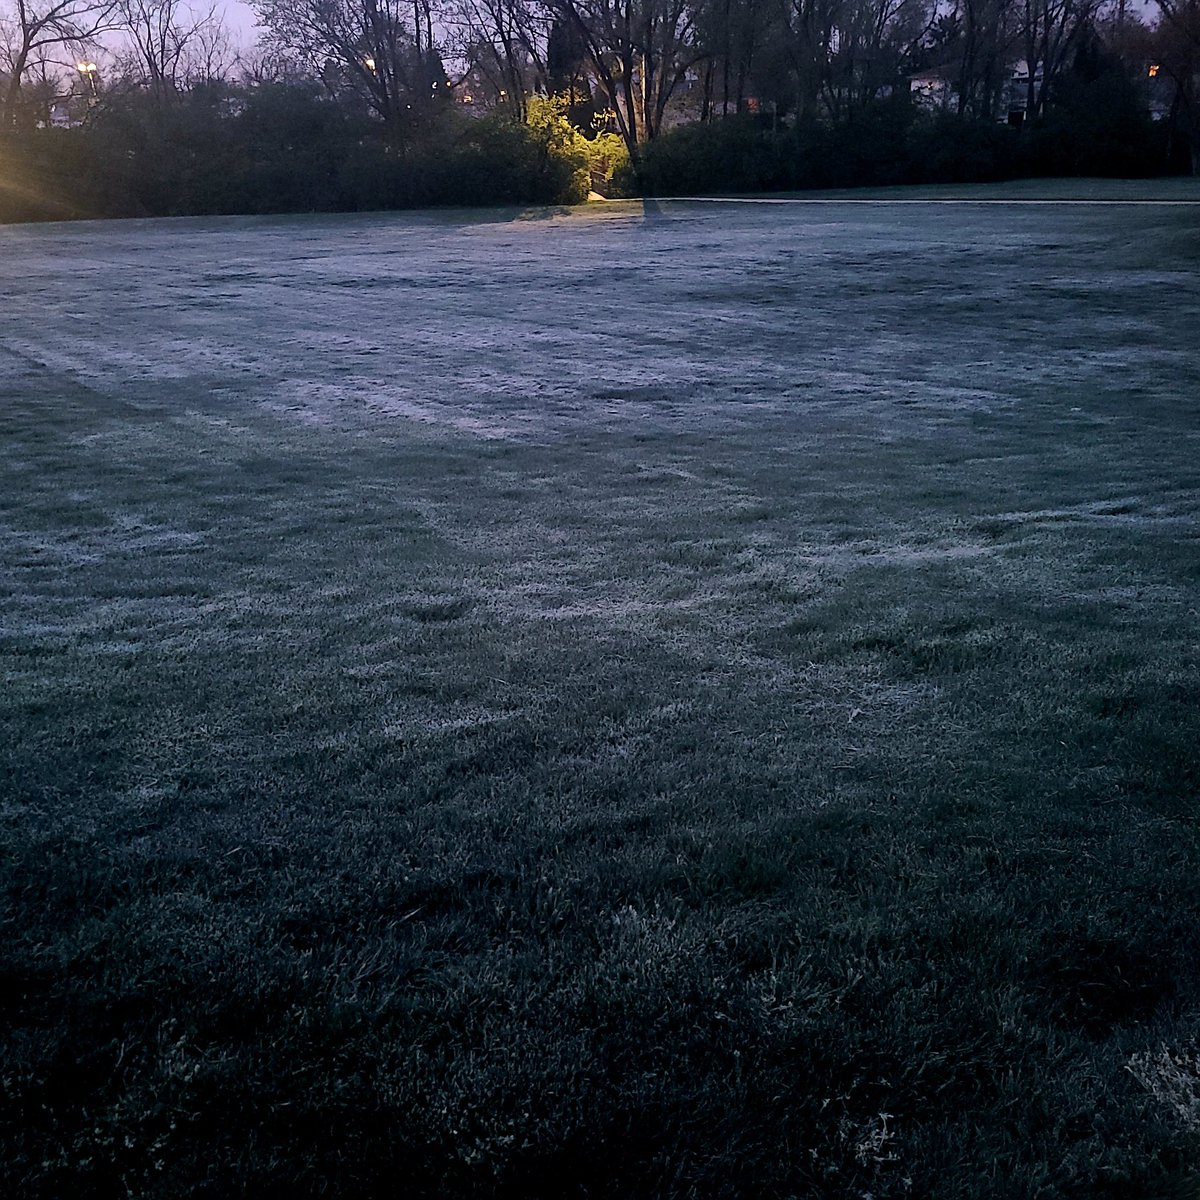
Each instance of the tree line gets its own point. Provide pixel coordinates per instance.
(147, 106)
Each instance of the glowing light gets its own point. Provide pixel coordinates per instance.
(369, 63)
(88, 71)
(1153, 70)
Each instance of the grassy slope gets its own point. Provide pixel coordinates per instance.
(779, 782)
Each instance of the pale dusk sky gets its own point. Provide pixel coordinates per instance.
(240, 19)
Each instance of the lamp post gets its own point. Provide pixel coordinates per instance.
(88, 70)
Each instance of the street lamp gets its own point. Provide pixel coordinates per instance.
(88, 71)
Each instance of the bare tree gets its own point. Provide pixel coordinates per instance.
(33, 30)
(169, 43)
(640, 51)
(384, 50)
(733, 32)
(1050, 30)
(504, 41)
(211, 55)
(989, 34)
(798, 52)
(1179, 43)
(267, 63)
(874, 40)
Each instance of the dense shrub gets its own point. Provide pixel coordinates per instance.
(890, 143)
(283, 149)
(49, 176)
(608, 165)
(1092, 130)
(945, 148)
(734, 154)
(289, 149)
(1097, 124)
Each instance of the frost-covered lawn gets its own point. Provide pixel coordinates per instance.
(670, 700)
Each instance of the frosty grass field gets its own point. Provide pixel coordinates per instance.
(680, 699)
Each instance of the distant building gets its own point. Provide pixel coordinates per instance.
(934, 89)
(66, 112)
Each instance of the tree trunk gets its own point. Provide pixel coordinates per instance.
(8, 109)
(725, 64)
(1030, 54)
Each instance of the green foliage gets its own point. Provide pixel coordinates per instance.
(564, 149)
(608, 163)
